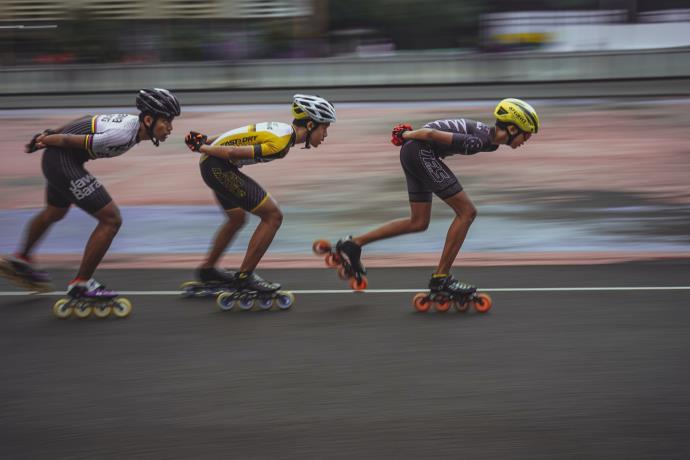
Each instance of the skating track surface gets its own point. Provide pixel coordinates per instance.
(555, 370)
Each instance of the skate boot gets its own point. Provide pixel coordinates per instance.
(20, 272)
(86, 297)
(209, 282)
(249, 289)
(346, 257)
(445, 291)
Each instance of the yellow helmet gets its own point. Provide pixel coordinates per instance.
(519, 113)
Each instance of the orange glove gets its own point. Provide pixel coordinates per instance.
(398, 130)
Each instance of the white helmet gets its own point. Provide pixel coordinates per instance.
(314, 108)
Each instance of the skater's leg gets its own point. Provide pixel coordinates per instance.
(465, 213)
(271, 220)
(109, 222)
(420, 215)
(38, 226)
(225, 234)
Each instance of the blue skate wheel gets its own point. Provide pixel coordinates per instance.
(225, 301)
(265, 303)
(246, 303)
(285, 300)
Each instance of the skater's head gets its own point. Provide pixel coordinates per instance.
(312, 115)
(516, 121)
(158, 108)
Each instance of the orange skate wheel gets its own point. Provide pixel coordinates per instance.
(332, 260)
(442, 305)
(483, 303)
(321, 247)
(342, 273)
(462, 307)
(358, 285)
(421, 303)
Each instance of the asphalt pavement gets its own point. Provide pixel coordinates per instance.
(571, 362)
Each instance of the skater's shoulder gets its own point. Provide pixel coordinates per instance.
(276, 128)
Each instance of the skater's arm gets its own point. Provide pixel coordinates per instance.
(230, 153)
(429, 135)
(466, 144)
(72, 141)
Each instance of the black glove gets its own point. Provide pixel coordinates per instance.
(31, 146)
(195, 140)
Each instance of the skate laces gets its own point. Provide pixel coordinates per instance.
(89, 285)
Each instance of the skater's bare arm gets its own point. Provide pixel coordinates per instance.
(229, 153)
(73, 141)
(429, 135)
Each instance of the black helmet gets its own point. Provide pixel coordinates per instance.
(158, 102)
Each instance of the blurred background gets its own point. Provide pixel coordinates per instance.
(609, 78)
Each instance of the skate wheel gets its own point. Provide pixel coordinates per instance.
(246, 303)
(421, 302)
(62, 309)
(189, 288)
(360, 285)
(82, 310)
(102, 311)
(225, 301)
(483, 303)
(285, 300)
(332, 260)
(122, 307)
(342, 273)
(321, 247)
(265, 304)
(442, 305)
(462, 307)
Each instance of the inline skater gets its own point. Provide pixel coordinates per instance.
(68, 182)
(237, 193)
(421, 156)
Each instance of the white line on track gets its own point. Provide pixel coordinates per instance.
(399, 291)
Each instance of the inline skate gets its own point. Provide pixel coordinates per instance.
(209, 282)
(25, 276)
(445, 292)
(249, 289)
(346, 259)
(91, 297)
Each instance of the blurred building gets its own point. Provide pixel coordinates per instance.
(66, 31)
(598, 30)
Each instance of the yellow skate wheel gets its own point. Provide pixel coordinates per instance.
(62, 309)
(189, 285)
(285, 300)
(102, 310)
(225, 301)
(122, 307)
(82, 310)
(246, 303)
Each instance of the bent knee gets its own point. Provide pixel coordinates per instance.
(274, 218)
(112, 218)
(419, 225)
(469, 214)
(52, 214)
